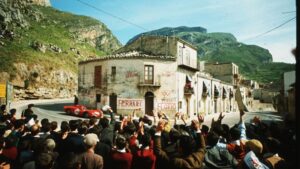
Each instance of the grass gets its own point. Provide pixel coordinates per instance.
(54, 28)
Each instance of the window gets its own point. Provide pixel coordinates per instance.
(113, 70)
(148, 74)
(83, 76)
(113, 73)
(98, 76)
(98, 98)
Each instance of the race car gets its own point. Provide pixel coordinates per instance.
(82, 111)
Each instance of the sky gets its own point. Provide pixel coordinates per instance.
(245, 19)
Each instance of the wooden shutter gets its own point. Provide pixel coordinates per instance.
(98, 76)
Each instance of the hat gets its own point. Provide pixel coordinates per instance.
(30, 105)
(255, 146)
(50, 144)
(91, 139)
(106, 107)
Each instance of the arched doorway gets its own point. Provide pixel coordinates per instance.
(113, 102)
(149, 103)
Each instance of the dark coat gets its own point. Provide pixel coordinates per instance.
(217, 158)
(193, 160)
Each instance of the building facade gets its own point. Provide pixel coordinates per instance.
(153, 73)
(227, 72)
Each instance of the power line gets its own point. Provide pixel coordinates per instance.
(262, 34)
(112, 15)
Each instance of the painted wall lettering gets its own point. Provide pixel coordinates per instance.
(130, 74)
(166, 106)
(130, 103)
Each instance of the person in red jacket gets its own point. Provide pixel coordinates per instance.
(121, 158)
(144, 158)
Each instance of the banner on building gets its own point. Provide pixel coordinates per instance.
(124, 103)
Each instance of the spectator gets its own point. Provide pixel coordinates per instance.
(121, 158)
(188, 159)
(88, 159)
(75, 100)
(253, 158)
(28, 113)
(144, 158)
(238, 138)
(215, 157)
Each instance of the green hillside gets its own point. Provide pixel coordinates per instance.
(254, 61)
(57, 34)
(40, 48)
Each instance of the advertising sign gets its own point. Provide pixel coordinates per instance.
(2, 90)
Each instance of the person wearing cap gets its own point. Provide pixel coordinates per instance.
(252, 159)
(88, 159)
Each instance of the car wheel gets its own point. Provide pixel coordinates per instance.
(68, 111)
(85, 115)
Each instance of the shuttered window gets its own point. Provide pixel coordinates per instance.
(98, 76)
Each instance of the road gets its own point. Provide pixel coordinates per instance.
(53, 110)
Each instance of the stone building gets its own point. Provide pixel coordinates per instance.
(227, 72)
(154, 73)
(141, 77)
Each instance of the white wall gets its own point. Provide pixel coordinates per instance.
(186, 55)
(289, 78)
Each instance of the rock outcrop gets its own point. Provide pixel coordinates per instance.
(36, 82)
(40, 47)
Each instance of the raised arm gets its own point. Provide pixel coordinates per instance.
(157, 141)
(242, 126)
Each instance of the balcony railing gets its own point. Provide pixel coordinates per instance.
(205, 93)
(231, 94)
(149, 83)
(188, 90)
(235, 75)
(224, 95)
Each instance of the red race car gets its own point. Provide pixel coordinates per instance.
(82, 111)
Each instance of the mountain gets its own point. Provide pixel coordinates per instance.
(224, 47)
(41, 46)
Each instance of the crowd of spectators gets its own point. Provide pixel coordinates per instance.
(156, 142)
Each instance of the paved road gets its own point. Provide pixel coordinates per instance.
(53, 110)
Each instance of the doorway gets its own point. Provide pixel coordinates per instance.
(149, 103)
(113, 102)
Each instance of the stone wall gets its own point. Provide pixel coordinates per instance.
(221, 69)
(126, 84)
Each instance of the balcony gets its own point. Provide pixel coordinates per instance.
(224, 96)
(155, 83)
(188, 90)
(205, 91)
(205, 94)
(230, 94)
(216, 93)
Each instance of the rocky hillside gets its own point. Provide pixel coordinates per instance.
(224, 47)
(40, 47)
